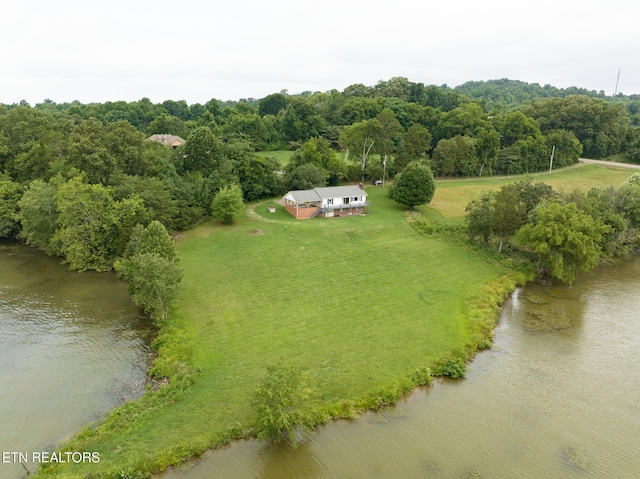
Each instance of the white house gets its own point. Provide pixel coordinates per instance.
(328, 202)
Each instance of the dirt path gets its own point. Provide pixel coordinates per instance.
(609, 163)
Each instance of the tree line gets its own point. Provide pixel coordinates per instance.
(567, 233)
(76, 179)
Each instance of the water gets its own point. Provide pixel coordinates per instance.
(541, 404)
(72, 347)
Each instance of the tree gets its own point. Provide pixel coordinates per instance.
(272, 104)
(158, 198)
(499, 213)
(356, 109)
(390, 133)
(227, 204)
(599, 203)
(464, 121)
(565, 239)
(456, 157)
(126, 144)
(10, 194)
(533, 193)
(318, 152)
(258, 177)
(415, 144)
(202, 151)
(152, 282)
(35, 163)
(150, 267)
(478, 218)
(163, 124)
(487, 147)
(300, 122)
(516, 126)
(306, 176)
(594, 121)
(154, 239)
(93, 228)
(628, 201)
(283, 404)
(38, 215)
(89, 151)
(508, 213)
(568, 148)
(360, 139)
(414, 186)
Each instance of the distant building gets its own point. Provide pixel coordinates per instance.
(328, 202)
(173, 141)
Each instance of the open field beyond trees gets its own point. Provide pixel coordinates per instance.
(452, 196)
(362, 303)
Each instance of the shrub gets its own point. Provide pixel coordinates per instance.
(228, 204)
(452, 366)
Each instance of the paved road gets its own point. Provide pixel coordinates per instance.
(610, 163)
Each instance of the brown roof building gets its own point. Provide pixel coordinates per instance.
(173, 141)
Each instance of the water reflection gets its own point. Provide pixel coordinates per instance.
(546, 403)
(282, 461)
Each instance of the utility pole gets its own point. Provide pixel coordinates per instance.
(617, 80)
(384, 171)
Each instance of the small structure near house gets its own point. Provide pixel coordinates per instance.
(272, 209)
(174, 141)
(327, 202)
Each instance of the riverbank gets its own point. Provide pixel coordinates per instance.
(361, 303)
(527, 408)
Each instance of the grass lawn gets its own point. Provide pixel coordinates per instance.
(281, 156)
(360, 302)
(452, 196)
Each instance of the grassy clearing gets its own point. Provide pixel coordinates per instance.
(365, 304)
(452, 196)
(281, 156)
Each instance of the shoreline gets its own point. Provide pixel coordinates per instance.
(483, 310)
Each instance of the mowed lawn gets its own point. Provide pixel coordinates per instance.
(359, 302)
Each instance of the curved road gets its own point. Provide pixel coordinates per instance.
(609, 163)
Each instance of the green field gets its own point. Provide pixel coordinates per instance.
(281, 156)
(360, 302)
(452, 196)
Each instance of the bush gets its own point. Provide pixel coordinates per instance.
(228, 204)
(452, 366)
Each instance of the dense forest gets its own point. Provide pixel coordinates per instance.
(76, 179)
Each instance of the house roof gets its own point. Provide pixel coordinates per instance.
(318, 194)
(340, 191)
(167, 140)
(302, 196)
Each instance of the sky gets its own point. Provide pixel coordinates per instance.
(196, 50)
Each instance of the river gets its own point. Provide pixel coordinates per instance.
(556, 397)
(72, 347)
(542, 403)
